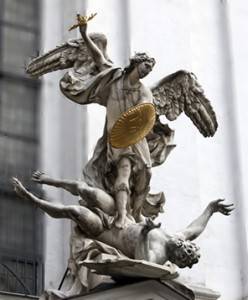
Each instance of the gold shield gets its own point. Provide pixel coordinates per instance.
(133, 125)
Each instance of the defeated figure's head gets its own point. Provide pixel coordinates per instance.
(183, 253)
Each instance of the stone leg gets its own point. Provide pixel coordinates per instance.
(69, 185)
(142, 188)
(122, 191)
(88, 221)
(93, 197)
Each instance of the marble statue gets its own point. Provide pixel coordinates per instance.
(144, 241)
(125, 172)
(116, 211)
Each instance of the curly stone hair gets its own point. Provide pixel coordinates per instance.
(138, 58)
(183, 253)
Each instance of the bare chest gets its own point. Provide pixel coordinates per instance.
(125, 240)
(122, 97)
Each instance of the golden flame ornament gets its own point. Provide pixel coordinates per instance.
(82, 20)
(133, 125)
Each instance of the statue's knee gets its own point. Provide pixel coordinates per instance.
(81, 186)
(86, 192)
(122, 187)
(71, 210)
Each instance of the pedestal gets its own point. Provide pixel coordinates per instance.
(150, 290)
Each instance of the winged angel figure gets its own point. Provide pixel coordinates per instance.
(124, 172)
(114, 190)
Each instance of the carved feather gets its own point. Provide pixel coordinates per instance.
(64, 56)
(180, 92)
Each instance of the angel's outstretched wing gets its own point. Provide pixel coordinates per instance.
(64, 56)
(180, 92)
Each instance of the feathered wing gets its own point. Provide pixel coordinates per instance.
(64, 56)
(180, 92)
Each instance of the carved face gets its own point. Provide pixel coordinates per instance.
(144, 68)
(183, 253)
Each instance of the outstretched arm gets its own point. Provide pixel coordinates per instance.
(197, 226)
(95, 52)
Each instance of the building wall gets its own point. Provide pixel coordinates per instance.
(21, 251)
(64, 145)
(206, 37)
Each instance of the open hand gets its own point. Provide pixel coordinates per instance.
(218, 206)
(38, 176)
(18, 187)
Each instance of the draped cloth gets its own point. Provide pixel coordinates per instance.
(81, 279)
(89, 88)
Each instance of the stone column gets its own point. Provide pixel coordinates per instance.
(63, 136)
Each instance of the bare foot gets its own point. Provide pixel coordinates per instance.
(39, 177)
(19, 188)
(120, 222)
(138, 217)
(131, 218)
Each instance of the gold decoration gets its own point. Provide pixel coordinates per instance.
(82, 20)
(133, 125)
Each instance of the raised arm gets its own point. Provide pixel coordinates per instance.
(95, 52)
(194, 229)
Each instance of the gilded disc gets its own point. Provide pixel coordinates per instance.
(133, 125)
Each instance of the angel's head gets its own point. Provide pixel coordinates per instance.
(183, 253)
(142, 62)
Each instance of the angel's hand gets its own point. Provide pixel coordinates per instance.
(218, 206)
(83, 28)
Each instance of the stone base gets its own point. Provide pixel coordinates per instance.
(15, 296)
(145, 290)
(154, 280)
(150, 290)
(203, 293)
(200, 292)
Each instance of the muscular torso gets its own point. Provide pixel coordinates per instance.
(131, 242)
(125, 240)
(122, 96)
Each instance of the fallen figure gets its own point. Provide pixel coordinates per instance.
(142, 241)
